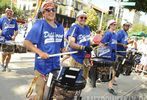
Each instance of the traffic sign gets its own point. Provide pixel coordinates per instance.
(128, 3)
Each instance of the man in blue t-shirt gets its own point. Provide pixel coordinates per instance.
(48, 37)
(9, 29)
(122, 39)
(79, 40)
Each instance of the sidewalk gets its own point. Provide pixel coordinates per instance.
(14, 85)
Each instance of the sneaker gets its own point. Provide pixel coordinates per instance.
(115, 84)
(8, 69)
(112, 91)
(4, 69)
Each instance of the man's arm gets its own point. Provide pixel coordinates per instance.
(73, 44)
(14, 35)
(34, 49)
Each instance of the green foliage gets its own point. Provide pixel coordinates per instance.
(141, 5)
(5, 4)
(92, 20)
(108, 17)
(136, 28)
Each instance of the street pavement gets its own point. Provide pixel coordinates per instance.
(14, 84)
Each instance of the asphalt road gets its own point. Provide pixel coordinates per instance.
(14, 84)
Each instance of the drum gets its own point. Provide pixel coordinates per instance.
(67, 83)
(20, 49)
(125, 64)
(8, 47)
(101, 70)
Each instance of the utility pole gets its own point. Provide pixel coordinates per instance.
(118, 9)
(120, 4)
(101, 20)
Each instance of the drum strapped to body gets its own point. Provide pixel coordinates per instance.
(12, 47)
(67, 83)
(8, 47)
(20, 49)
(125, 63)
(103, 69)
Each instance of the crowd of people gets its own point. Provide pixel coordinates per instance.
(46, 37)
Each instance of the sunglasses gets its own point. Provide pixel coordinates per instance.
(83, 18)
(51, 10)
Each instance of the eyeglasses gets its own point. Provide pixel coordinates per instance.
(51, 10)
(83, 18)
(113, 24)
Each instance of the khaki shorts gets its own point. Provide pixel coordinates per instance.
(70, 62)
(40, 85)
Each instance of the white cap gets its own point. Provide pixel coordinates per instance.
(125, 22)
(8, 9)
(80, 13)
(110, 22)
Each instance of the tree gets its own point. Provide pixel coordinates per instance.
(141, 5)
(5, 4)
(108, 17)
(92, 20)
(136, 28)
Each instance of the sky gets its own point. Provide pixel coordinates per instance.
(104, 4)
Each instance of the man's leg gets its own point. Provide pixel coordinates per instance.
(4, 55)
(8, 58)
(40, 85)
(110, 83)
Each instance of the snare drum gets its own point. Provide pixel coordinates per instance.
(101, 70)
(20, 49)
(67, 83)
(8, 47)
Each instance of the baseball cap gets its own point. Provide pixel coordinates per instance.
(48, 4)
(125, 22)
(8, 9)
(80, 13)
(111, 22)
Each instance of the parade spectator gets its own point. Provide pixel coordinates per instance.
(97, 38)
(48, 36)
(9, 28)
(110, 39)
(79, 38)
(141, 68)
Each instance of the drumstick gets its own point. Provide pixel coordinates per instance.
(71, 36)
(60, 54)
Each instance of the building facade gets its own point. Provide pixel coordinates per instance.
(66, 9)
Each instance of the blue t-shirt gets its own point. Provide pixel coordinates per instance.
(49, 40)
(122, 37)
(8, 27)
(82, 37)
(110, 39)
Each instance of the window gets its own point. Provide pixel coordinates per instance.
(34, 4)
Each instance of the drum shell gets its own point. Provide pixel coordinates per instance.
(103, 70)
(20, 49)
(8, 48)
(66, 92)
